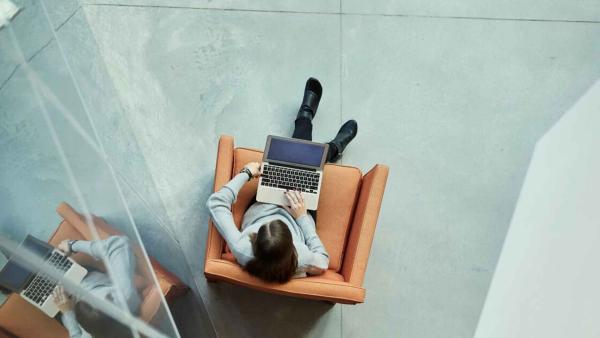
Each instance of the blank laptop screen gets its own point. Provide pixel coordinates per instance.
(14, 276)
(295, 152)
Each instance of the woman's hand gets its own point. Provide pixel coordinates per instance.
(65, 248)
(254, 168)
(297, 207)
(63, 302)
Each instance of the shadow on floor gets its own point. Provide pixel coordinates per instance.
(191, 317)
(243, 312)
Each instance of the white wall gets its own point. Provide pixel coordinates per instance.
(547, 282)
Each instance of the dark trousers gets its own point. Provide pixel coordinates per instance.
(303, 131)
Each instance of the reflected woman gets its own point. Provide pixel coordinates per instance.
(83, 320)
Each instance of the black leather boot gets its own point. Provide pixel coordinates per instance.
(310, 102)
(346, 134)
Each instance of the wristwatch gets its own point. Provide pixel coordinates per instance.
(247, 171)
(70, 243)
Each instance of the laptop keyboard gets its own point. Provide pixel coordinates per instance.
(41, 287)
(290, 179)
(59, 261)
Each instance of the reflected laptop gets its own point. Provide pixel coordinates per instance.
(33, 286)
(291, 164)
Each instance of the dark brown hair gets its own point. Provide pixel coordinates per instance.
(99, 324)
(275, 258)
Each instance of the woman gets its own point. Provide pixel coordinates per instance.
(277, 243)
(82, 319)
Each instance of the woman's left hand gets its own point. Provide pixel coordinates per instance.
(297, 207)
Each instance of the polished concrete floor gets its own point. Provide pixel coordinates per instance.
(451, 95)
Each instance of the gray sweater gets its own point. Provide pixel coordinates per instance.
(312, 256)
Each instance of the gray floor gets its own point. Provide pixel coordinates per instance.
(451, 95)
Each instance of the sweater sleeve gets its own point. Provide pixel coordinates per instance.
(92, 248)
(319, 260)
(117, 252)
(219, 207)
(71, 324)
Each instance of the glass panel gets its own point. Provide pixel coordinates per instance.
(63, 138)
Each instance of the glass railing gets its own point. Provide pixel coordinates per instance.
(86, 240)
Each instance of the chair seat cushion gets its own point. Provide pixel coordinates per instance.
(339, 192)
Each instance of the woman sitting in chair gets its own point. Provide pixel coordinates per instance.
(277, 243)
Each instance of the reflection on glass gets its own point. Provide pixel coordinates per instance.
(90, 274)
(48, 279)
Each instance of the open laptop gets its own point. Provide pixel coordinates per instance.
(33, 286)
(291, 164)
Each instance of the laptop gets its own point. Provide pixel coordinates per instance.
(33, 286)
(291, 164)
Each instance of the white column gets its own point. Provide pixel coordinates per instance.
(547, 281)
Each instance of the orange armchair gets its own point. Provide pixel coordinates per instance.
(346, 219)
(21, 319)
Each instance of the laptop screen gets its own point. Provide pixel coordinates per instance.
(295, 152)
(37, 247)
(14, 276)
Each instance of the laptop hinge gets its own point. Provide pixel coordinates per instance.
(291, 166)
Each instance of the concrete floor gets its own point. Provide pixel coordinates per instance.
(451, 95)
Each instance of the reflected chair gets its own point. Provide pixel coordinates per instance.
(21, 319)
(346, 219)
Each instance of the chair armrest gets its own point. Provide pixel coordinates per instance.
(21, 319)
(150, 304)
(363, 227)
(223, 169)
(79, 222)
(168, 286)
(167, 276)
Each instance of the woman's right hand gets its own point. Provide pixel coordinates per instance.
(63, 301)
(297, 207)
